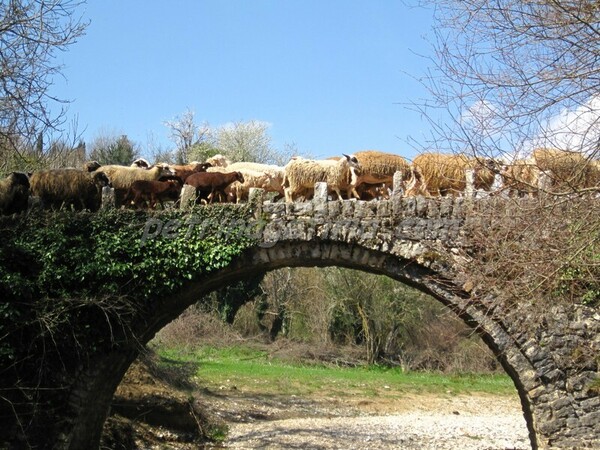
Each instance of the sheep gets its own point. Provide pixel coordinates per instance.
(520, 178)
(238, 191)
(377, 168)
(566, 169)
(91, 166)
(212, 183)
(151, 191)
(302, 174)
(122, 177)
(14, 193)
(69, 187)
(277, 173)
(438, 174)
(218, 161)
(184, 171)
(593, 179)
(140, 163)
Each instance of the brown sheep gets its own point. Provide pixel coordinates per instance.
(593, 180)
(151, 191)
(14, 193)
(184, 171)
(69, 187)
(212, 183)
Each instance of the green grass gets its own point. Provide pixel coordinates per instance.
(253, 371)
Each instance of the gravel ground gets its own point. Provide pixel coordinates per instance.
(477, 423)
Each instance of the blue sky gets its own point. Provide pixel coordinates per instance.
(330, 76)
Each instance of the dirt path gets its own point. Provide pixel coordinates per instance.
(416, 422)
(157, 416)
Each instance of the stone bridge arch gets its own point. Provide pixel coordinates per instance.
(410, 240)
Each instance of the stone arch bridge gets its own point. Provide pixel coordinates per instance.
(414, 241)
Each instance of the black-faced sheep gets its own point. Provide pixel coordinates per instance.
(145, 192)
(140, 163)
(69, 187)
(14, 193)
(302, 174)
(209, 184)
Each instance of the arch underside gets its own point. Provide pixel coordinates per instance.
(353, 256)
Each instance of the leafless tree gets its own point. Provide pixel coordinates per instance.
(187, 134)
(32, 32)
(514, 74)
(509, 76)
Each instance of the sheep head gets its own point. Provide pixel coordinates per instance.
(100, 179)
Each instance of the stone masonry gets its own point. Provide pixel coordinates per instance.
(415, 241)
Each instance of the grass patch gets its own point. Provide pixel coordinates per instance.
(254, 371)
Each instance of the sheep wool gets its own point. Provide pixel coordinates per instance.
(302, 174)
(436, 174)
(565, 168)
(68, 187)
(377, 168)
(14, 193)
(121, 177)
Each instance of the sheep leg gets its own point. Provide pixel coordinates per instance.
(339, 194)
(288, 194)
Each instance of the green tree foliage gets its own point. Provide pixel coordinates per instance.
(73, 284)
(110, 149)
(390, 322)
(193, 142)
(228, 300)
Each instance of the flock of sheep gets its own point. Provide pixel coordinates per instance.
(364, 175)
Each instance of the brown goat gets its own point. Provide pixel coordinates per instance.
(151, 191)
(212, 183)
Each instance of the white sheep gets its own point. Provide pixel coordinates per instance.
(218, 161)
(238, 191)
(277, 172)
(302, 174)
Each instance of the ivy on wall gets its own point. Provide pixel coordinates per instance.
(72, 283)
